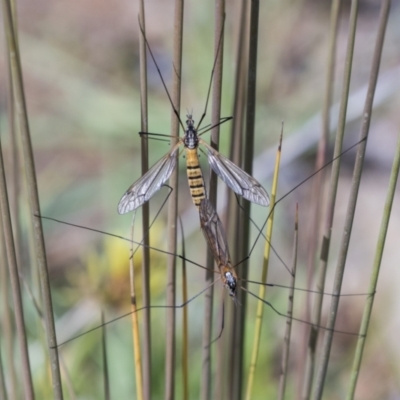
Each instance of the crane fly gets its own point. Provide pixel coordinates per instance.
(238, 180)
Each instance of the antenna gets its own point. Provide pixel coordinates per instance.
(159, 73)
(212, 74)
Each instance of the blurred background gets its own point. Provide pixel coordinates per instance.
(80, 63)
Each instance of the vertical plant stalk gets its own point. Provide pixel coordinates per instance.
(310, 348)
(215, 119)
(220, 380)
(173, 207)
(236, 134)
(15, 286)
(264, 275)
(15, 161)
(7, 322)
(146, 339)
(223, 385)
(67, 380)
(375, 272)
(238, 109)
(8, 325)
(185, 329)
(106, 376)
(238, 363)
(135, 322)
(38, 309)
(286, 347)
(353, 198)
(323, 262)
(3, 391)
(21, 111)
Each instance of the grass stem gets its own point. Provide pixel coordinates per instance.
(317, 199)
(3, 389)
(135, 323)
(238, 364)
(215, 118)
(15, 284)
(358, 168)
(106, 376)
(173, 207)
(264, 276)
(21, 111)
(185, 323)
(233, 218)
(286, 346)
(382, 233)
(6, 321)
(146, 269)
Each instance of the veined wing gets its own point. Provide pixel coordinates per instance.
(238, 180)
(146, 186)
(214, 232)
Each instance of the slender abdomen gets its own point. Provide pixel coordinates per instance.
(195, 177)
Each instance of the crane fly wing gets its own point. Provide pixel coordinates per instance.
(146, 186)
(238, 180)
(214, 232)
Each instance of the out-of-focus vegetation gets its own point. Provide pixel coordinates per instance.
(81, 74)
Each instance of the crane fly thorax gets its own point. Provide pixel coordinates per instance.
(229, 279)
(191, 139)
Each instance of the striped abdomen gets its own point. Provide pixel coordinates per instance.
(195, 177)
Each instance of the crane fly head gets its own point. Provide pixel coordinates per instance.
(189, 121)
(191, 140)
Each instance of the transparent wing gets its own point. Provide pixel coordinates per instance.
(214, 232)
(238, 180)
(146, 186)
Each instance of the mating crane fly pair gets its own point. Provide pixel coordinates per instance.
(238, 180)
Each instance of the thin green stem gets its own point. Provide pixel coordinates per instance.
(286, 346)
(333, 185)
(375, 274)
(238, 363)
(223, 385)
(326, 348)
(146, 337)
(6, 322)
(137, 353)
(317, 198)
(38, 309)
(106, 376)
(15, 285)
(3, 391)
(173, 207)
(21, 111)
(381, 240)
(215, 118)
(185, 322)
(264, 277)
